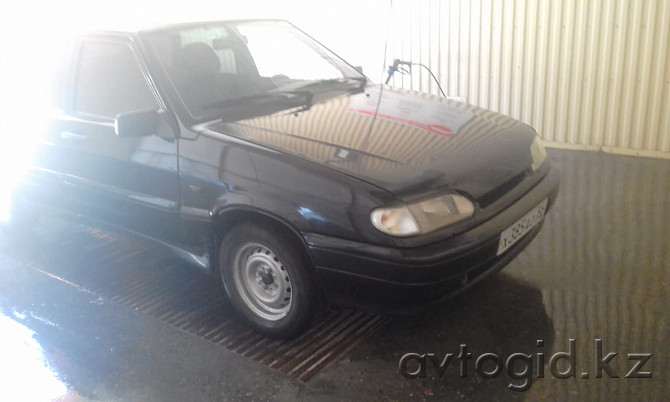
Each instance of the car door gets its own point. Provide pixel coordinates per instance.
(127, 181)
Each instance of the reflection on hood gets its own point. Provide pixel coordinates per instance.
(414, 138)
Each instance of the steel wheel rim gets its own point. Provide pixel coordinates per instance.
(263, 282)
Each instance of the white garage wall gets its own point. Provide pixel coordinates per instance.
(585, 73)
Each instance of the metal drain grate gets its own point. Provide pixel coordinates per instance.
(138, 274)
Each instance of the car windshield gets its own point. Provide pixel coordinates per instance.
(234, 70)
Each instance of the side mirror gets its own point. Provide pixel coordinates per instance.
(137, 124)
(359, 69)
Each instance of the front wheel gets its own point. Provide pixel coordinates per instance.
(267, 281)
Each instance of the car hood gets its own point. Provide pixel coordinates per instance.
(411, 144)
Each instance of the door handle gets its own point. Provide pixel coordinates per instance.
(195, 189)
(74, 137)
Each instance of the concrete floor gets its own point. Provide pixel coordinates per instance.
(599, 269)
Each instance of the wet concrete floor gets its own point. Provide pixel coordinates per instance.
(598, 274)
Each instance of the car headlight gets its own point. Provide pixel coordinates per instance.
(537, 152)
(422, 217)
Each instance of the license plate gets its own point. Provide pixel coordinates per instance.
(518, 229)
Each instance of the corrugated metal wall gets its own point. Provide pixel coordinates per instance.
(592, 74)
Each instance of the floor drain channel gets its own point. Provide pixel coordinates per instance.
(138, 274)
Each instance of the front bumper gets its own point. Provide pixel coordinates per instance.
(407, 280)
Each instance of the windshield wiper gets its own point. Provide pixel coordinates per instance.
(274, 97)
(328, 83)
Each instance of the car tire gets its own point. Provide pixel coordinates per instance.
(267, 280)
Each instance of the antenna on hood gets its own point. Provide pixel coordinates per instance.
(396, 67)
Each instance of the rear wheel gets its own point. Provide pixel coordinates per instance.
(267, 280)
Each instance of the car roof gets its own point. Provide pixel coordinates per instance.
(131, 28)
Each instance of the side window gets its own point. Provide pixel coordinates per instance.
(109, 81)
